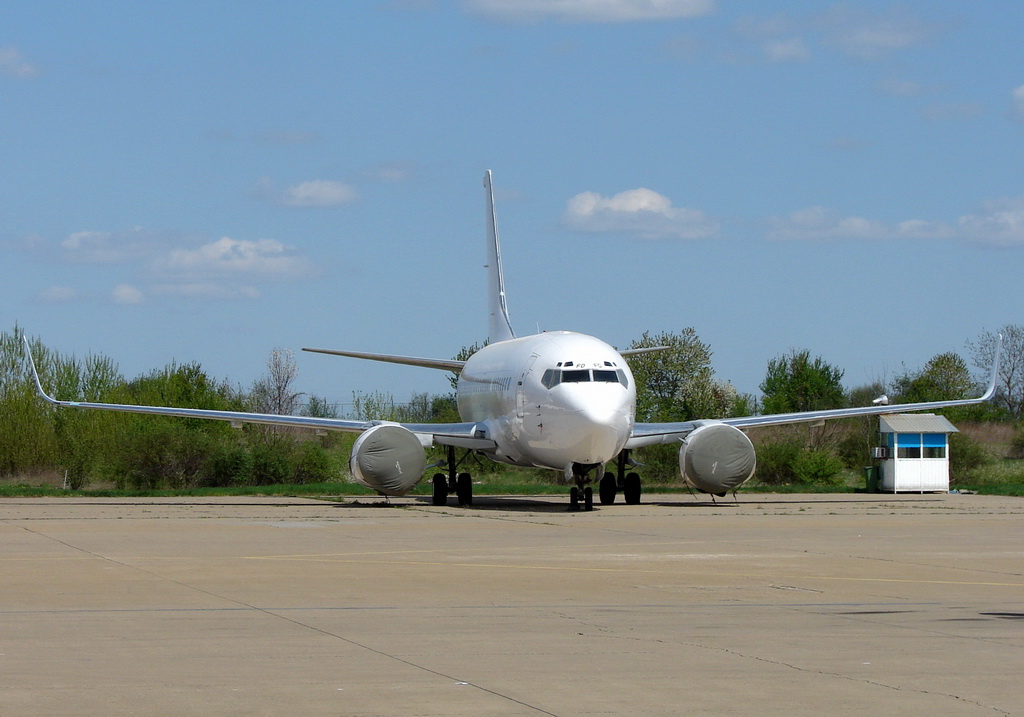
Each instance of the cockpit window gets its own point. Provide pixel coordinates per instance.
(553, 376)
(611, 376)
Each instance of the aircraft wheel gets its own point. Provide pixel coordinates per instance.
(631, 489)
(464, 489)
(574, 499)
(607, 488)
(440, 495)
(588, 498)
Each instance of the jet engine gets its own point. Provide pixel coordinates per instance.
(716, 458)
(388, 458)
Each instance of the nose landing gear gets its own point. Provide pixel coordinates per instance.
(581, 494)
(574, 496)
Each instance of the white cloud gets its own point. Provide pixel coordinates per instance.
(207, 290)
(125, 294)
(999, 222)
(267, 258)
(392, 172)
(868, 35)
(317, 194)
(637, 212)
(1017, 109)
(93, 247)
(822, 223)
(898, 87)
(611, 11)
(178, 265)
(791, 49)
(846, 28)
(13, 65)
(58, 294)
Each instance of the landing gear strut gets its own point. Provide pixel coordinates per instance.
(461, 484)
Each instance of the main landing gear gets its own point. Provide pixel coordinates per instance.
(461, 484)
(612, 483)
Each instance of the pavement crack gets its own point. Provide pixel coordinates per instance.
(828, 673)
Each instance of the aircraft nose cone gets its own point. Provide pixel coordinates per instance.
(600, 433)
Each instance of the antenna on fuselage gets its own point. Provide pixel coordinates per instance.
(499, 328)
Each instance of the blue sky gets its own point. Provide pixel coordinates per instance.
(208, 181)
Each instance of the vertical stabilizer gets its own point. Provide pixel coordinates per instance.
(499, 328)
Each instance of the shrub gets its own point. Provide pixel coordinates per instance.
(229, 464)
(269, 463)
(816, 467)
(787, 462)
(311, 464)
(965, 456)
(775, 462)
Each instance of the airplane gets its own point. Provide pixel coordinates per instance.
(558, 400)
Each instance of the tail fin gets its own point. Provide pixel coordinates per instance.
(499, 328)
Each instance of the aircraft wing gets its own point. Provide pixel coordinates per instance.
(649, 434)
(458, 434)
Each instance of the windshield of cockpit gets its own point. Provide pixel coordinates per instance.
(555, 376)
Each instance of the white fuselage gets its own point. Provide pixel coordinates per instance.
(550, 400)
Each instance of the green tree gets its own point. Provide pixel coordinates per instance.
(318, 407)
(144, 451)
(28, 443)
(800, 453)
(795, 382)
(944, 378)
(678, 384)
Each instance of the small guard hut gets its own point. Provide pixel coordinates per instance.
(917, 455)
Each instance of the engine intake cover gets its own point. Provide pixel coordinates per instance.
(716, 458)
(389, 459)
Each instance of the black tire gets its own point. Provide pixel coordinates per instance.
(607, 488)
(588, 498)
(574, 499)
(440, 495)
(631, 489)
(464, 489)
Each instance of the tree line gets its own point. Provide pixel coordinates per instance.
(145, 451)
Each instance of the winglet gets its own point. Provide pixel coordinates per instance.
(991, 390)
(35, 373)
(499, 328)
